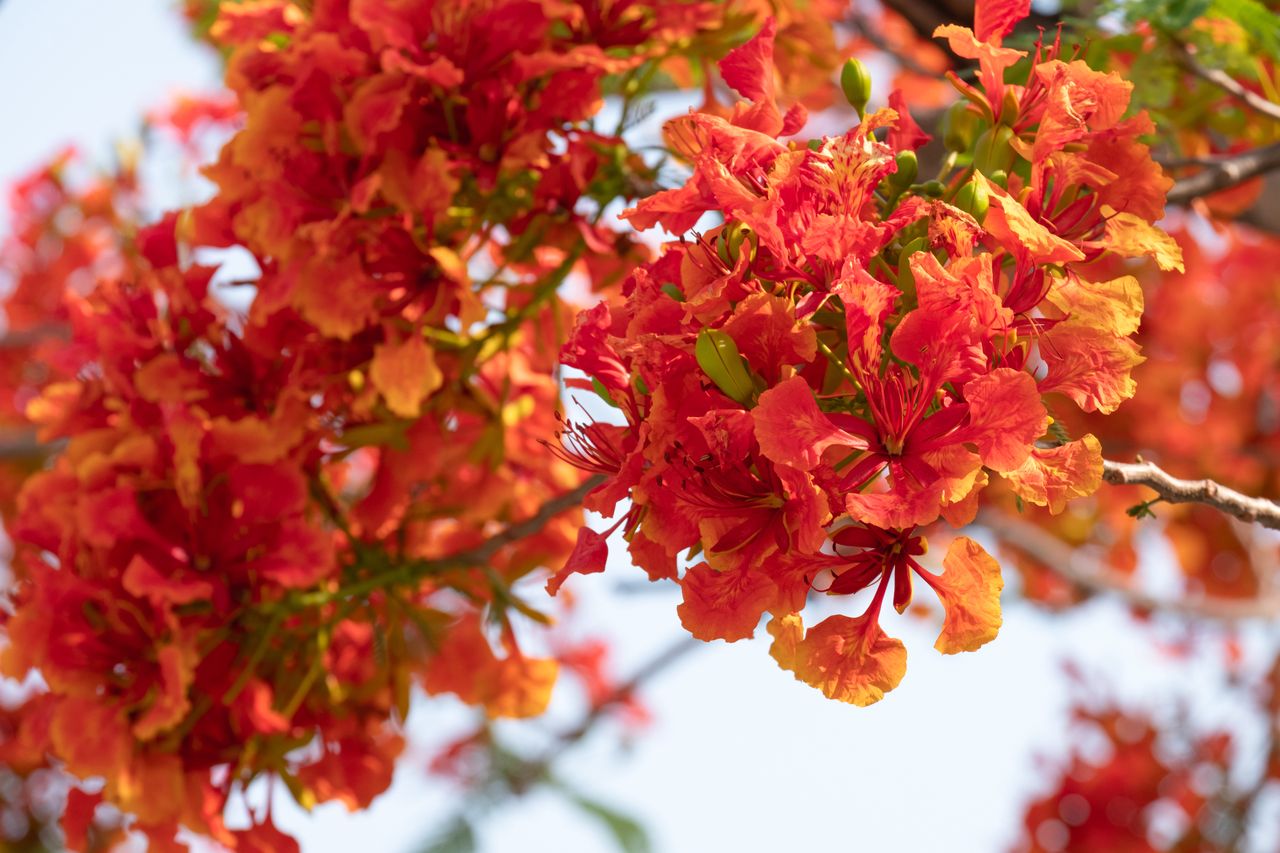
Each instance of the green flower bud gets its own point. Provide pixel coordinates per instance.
(1009, 108)
(974, 199)
(718, 356)
(992, 151)
(729, 242)
(933, 189)
(741, 235)
(855, 80)
(960, 126)
(906, 279)
(908, 168)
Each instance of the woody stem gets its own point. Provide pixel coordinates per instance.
(1208, 492)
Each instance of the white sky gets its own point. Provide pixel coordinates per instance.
(741, 757)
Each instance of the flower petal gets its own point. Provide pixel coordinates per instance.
(848, 659)
(405, 374)
(748, 69)
(1053, 476)
(1006, 417)
(792, 430)
(589, 556)
(724, 605)
(1010, 223)
(969, 589)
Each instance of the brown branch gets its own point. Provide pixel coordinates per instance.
(623, 692)
(23, 338)
(534, 524)
(1092, 575)
(511, 775)
(416, 570)
(1226, 172)
(925, 16)
(1227, 83)
(869, 31)
(18, 444)
(1172, 490)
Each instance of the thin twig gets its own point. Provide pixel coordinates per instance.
(512, 775)
(410, 571)
(1226, 172)
(1175, 491)
(534, 524)
(624, 691)
(1091, 574)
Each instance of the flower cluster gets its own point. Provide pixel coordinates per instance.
(1142, 789)
(852, 354)
(301, 422)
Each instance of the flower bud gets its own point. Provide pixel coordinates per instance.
(855, 80)
(908, 168)
(718, 356)
(992, 151)
(974, 199)
(959, 127)
(906, 279)
(730, 241)
(1009, 108)
(933, 189)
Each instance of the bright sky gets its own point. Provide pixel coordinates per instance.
(741, 756)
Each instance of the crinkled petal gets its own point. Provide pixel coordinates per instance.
(792, 430)
(1006, 417)
(849, 659)
(724, 605)
(969, 589)
(1133, 237)
(1053, 476)
(1010, 223)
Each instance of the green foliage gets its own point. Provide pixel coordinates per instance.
(458, 837)
(626, 831)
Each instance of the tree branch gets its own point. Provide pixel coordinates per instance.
(1092, 575)
(549, 510)
(663, 660)
(1172, 490)
(18, 444)
(1225, 172)
(1228, 84)
(925, 16)
(876, 39)
(23, 338)
(416, 570)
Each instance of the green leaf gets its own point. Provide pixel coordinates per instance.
(630, 836)
(1153, 79)
(1262, 25)
(603, 392)
(1142, 510)
(393, 434)
(458, 837)
(718, 356)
